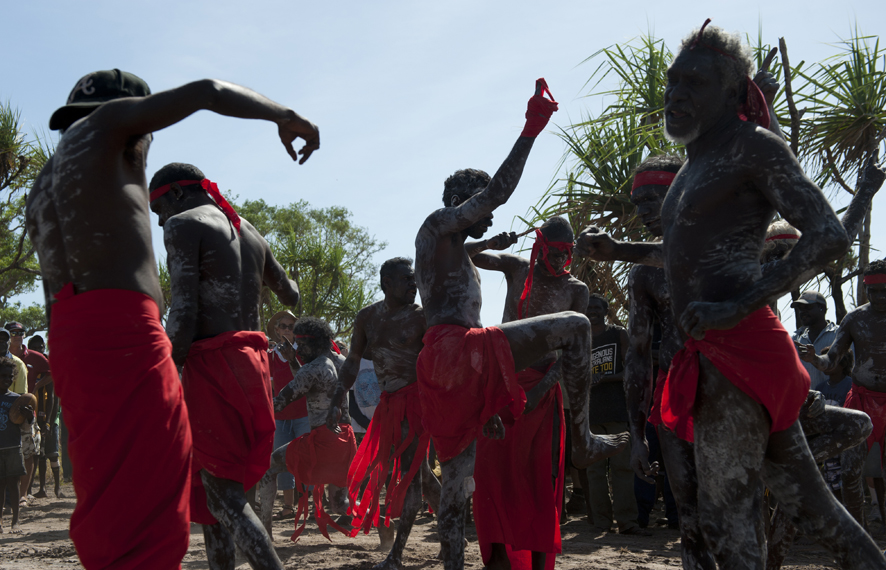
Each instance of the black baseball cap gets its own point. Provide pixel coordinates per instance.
(810, 298)
(95, 89)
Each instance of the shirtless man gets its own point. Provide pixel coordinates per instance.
(864, 327)
(89, 220)
(468, 373)
(218, 264)
(714, 219)
(392, 330)
(513, 532)
(322, 456)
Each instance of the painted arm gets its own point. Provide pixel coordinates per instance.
(183, 260)
(277, 281)
(498, 242)
(828, 363)
(774, 170)
(347, 375)
(298, 387)
(598, 245)
(638, 374)
(142, 115)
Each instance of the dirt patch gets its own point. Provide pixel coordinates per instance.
(45, 544)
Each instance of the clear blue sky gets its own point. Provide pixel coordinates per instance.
(404, 93)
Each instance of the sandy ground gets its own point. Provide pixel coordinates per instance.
(45, 544)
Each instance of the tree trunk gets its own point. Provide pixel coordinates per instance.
(864, 257)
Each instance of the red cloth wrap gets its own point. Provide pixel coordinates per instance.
(782, 236)
(875, 279)
(757, 355)
(654, 416)
(539, 110)
(383, 444)
(211, 189)
(228, 390)
(516, 502)
(130, 443)
(874, 405)
(319, 458)
(281, 375)
(542, 244)
(465, 377)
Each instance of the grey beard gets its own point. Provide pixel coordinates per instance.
(685, 139)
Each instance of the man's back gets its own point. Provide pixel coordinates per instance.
(231, 266)
(89, 206)
(870, 351)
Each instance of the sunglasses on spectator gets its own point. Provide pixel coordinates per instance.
(17, 333)
(286, 327)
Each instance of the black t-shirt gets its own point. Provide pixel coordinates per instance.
(608, 403)
(10, 433)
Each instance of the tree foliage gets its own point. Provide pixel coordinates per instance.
(33, 317)
(21, 159)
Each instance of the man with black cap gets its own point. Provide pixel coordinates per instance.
(89, 220)
(813, 328)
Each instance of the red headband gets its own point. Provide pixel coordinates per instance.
(875, 279)
(541, 243)
(333, 347)
(653, 177)
(754, 108)
(211, 189)
(782, 236)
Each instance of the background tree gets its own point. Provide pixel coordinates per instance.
(20, 161)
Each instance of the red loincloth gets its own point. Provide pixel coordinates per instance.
(874, 405)
(130, 443)
(757, 356)
(517, 502)
(319, 458)
(227, 387)
(465, 377)
(654, 416)
(381, 449)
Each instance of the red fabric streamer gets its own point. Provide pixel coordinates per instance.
(542, 244)
(465, 377)
(539, 110)
(654, 416)
(875, 279)
(757, 356)
(130, 443)
(227, 388)
(653, 177)
(382, 448)
(782, 236)
(211, 188)
(320, 458)
(754, 108)
(515, 503)
(874, 405)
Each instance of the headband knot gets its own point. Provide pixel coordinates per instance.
(211, 188)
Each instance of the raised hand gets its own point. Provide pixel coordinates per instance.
(874, 172)
(765, 80)
(539, 110)
(295, 127)
(806, 352)
(595, 244)
(501, 241)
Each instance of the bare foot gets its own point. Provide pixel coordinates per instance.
(41, 494)
(59, 494)
(386, 534)
(597, 447)
(15, 530)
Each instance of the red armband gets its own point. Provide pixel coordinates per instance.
(539, 110)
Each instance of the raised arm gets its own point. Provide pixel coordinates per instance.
(299, 386)
(829, 362)
(183, 260)
(142, 115)
(596, 244)
(277, 281)
(498, 191)
(638, 374)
